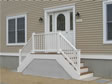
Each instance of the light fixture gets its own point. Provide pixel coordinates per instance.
(77, 14)
(40, 19)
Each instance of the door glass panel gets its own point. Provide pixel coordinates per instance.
(61, 22)
(71, 20)
(50, 23)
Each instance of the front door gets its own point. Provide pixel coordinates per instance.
(62, 22)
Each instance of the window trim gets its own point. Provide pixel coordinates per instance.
(105, 41)
(13, 17)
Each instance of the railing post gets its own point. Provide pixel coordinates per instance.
(20, 57)
(78, 59)
(33, 42)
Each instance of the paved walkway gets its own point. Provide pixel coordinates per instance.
(99, 80)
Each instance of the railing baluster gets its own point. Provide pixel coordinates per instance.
(33, 42)
(41, 42)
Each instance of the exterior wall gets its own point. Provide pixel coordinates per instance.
(11, 62)
(101, 68)
(89, 32)
(46, 68)
(33, 9)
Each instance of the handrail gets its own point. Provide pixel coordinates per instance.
(46, 33)
(26, 44)
(25, 50)
(70, 53)
(67, 41)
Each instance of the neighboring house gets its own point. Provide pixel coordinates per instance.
(57, 30)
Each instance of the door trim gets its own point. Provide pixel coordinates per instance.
(60, 8)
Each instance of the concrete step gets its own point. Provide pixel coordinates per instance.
(91, 78)
(86, 75)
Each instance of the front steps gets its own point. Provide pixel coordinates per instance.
(83, 70)
(84, 73)
(81, 64)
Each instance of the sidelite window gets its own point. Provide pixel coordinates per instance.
(16, 29)
(50, 22)
(71, 20)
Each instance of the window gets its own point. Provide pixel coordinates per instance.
(61, 22)
(109, 22)
(16, 30)
(107, 10)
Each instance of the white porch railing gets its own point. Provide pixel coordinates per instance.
(52, 42)
(45, 42)
(25, 51)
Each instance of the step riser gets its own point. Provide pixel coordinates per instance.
(84, 70)
(86, 76)
(82, 65)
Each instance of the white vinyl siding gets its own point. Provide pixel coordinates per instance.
(16, 30)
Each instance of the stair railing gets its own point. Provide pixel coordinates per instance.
(25, 51)
(71, 54)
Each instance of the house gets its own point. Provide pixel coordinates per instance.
(60, 38)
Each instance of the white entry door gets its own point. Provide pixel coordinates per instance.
(62, 22)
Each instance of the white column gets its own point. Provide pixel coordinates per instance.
(20, 57)
(33, 42)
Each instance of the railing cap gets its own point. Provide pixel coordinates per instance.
(78, 49)
(20, 49)
(33, 33)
